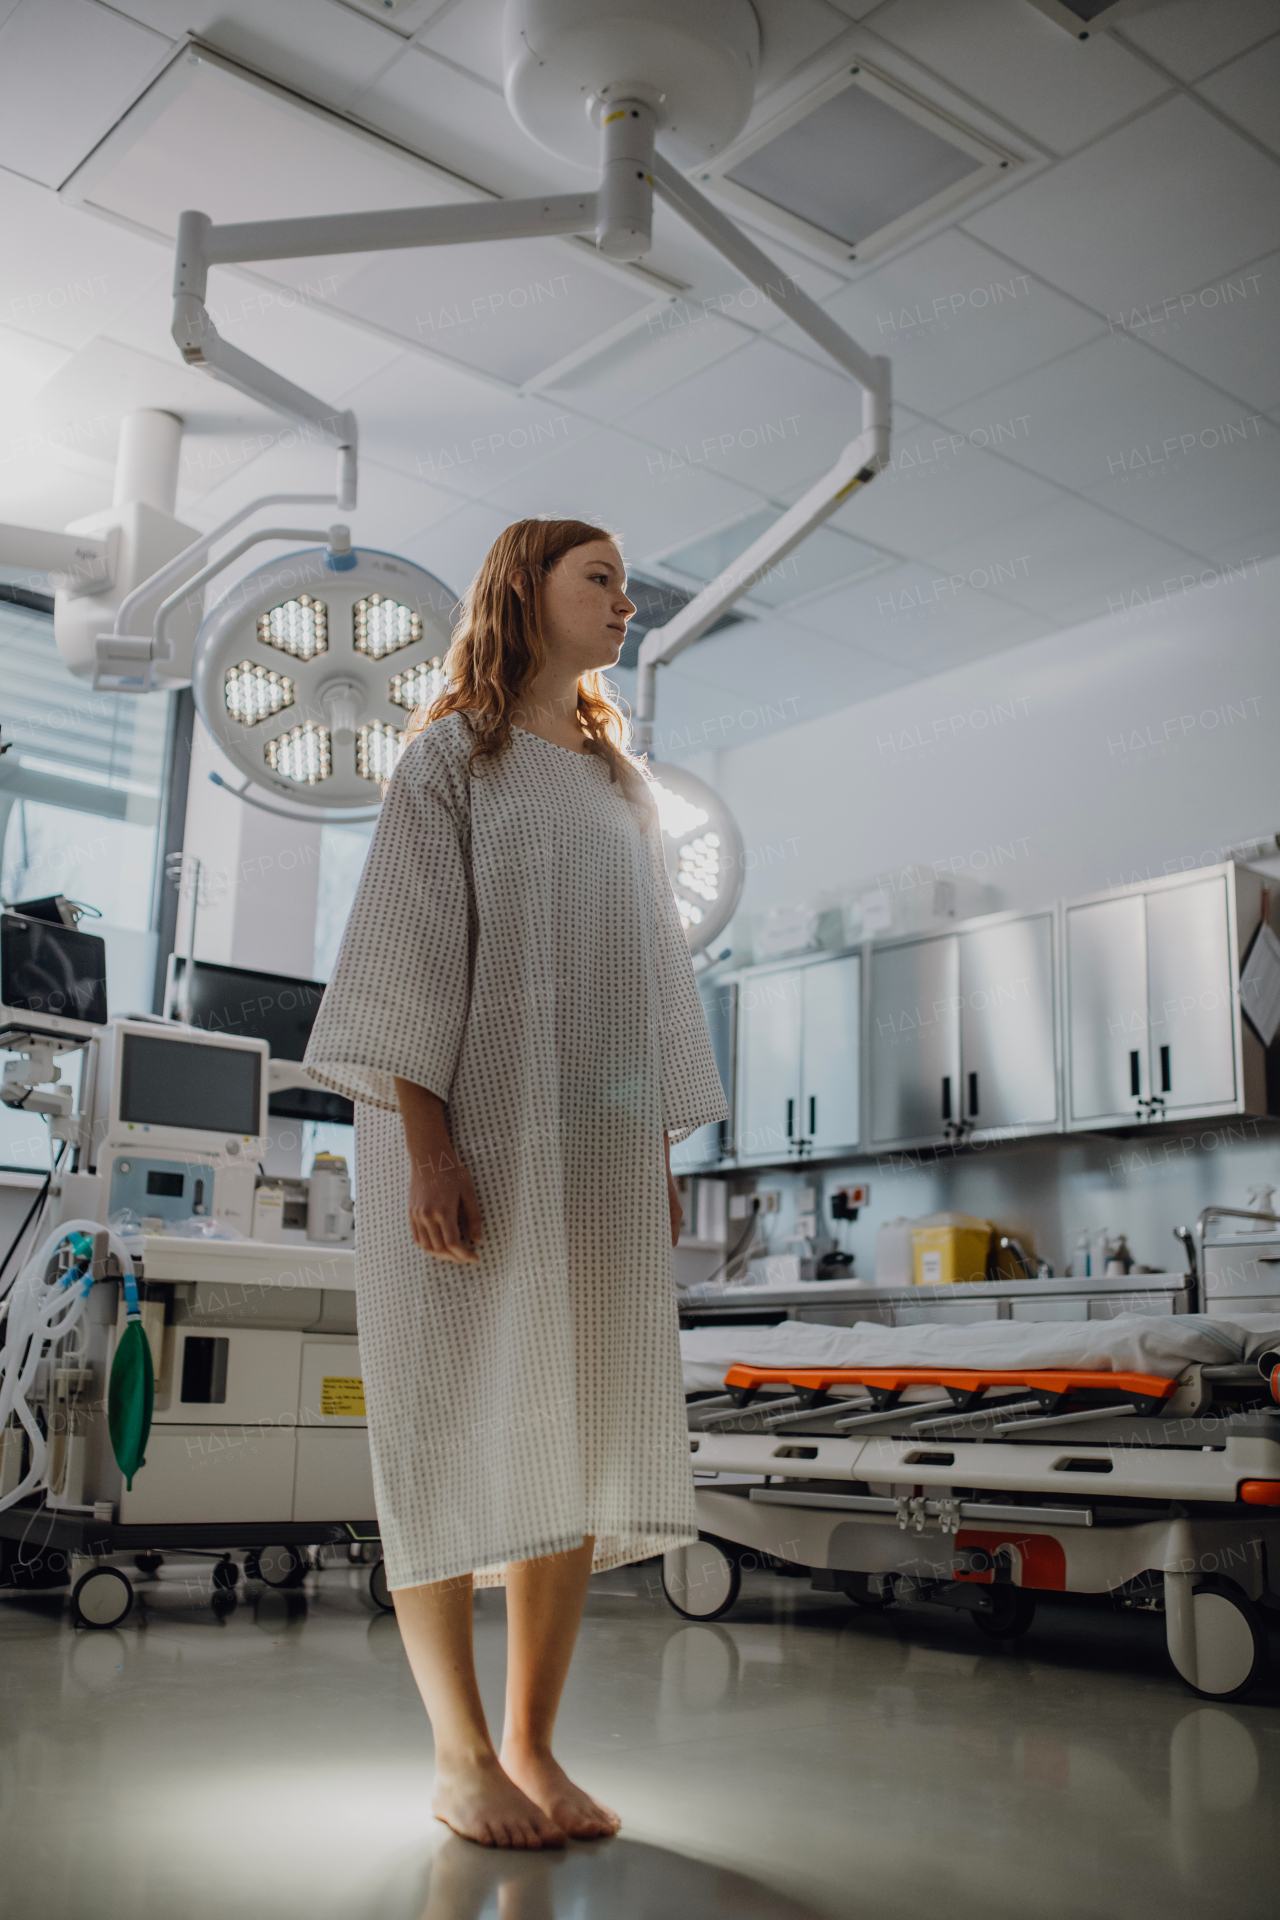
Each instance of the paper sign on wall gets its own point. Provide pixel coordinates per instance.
(342, 1397)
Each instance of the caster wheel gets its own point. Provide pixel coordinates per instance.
(225, 1576)
(1230, 1643)
(101, 1598)
(148, 1564)
(1012, 1611)
(379, 1592)
(281, 1566)
(251, 1568)
(703, 1581)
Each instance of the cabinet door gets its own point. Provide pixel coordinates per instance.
(708, 1145)
(915, 1040)
(1189, 994)
(829, 1056)
(769, 1021)
(1006, 1024)
(1107, 1008)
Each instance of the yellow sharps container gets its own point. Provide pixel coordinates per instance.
(950, 1247)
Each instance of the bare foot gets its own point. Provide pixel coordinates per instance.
(547, 1784)
(479, 1801)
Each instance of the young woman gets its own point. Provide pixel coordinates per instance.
(514, 1013)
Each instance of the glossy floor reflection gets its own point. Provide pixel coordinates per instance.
(798, 1758)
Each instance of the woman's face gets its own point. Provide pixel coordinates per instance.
(585, 608)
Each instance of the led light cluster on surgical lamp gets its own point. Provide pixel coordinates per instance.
(307, 688)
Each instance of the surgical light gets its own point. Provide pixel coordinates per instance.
(378, 747)
(384, 626)
(703, 852)
(253, 692)
(334, 727)
(417, 686)
(299, 627)
(302, 755)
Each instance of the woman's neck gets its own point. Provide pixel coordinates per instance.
(549, 707)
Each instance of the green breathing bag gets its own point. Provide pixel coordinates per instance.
(131, 1389)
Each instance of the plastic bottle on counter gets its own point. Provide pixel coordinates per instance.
(1099, 1252)
(1080, 1258)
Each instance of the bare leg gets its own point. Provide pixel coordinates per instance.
(544, 1606)
(473, 1795)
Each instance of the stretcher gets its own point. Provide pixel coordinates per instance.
(981, 1487)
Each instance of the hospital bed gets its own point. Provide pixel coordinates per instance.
(976, 1467)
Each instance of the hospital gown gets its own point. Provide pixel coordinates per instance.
(515, 947)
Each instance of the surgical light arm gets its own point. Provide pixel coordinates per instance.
(619, 217)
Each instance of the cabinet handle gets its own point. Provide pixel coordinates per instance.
(791, 1119)
(813, 1113)
(973, 1095)
(1135, 1077)
(946, 1096)
(1166, 1081)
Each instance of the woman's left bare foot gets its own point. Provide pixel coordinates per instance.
(545, 1781)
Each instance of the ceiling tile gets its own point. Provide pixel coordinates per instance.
(941, 487)
(1248, 92)
(1005, 54)
(510, 308)
(63, 275)
(1228, 332)
(442, 425)
(26, 364)
(1143, 437)
(763, 417)
(1191, 38)
(674, 343)
(469, 33)
(461, 123)
(68, 70)
(608, 478)
(916, 616)
(296, 335)
(322, 50)
(1172, 201)
(1070, 561)
(956, 319)
(792, 31)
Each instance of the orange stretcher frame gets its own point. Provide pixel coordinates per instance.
(1055, 1383)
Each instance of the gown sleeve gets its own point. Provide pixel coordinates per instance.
(692, 1094)
(398, 999)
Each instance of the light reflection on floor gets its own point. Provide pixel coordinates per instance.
(796, 1758)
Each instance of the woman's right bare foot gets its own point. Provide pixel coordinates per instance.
(477, 1800)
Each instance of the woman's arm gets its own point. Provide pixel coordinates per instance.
(444, 1212)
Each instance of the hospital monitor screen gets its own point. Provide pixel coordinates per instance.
(189, 1083)
(263, 1006)
(47, 969)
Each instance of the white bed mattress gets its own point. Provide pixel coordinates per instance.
(1162, 1344)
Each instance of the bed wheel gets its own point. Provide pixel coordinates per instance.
(701, 1582)
(1012, 1611)
(858, 1588)
(1217, 1640)
(284, 1566)
(379, 1591)
(101, 1598)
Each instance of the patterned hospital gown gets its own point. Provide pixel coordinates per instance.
(514, 946)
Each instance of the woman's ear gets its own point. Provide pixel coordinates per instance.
(520, 583)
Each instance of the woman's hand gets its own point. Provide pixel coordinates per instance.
(444, 1213)
(675, 1205)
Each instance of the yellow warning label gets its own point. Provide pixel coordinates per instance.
(342, 1397)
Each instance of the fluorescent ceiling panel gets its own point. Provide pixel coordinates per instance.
(854, 165)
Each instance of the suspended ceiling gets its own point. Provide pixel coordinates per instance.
(1084, 348)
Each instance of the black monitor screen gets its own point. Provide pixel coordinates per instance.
(188, 1083)
(261, 1006)
(52, 969)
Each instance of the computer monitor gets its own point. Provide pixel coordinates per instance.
(53, 980)
(274, 1007)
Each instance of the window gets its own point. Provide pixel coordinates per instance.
(80, 800)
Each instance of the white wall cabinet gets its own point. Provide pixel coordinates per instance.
(1154, 1026)
(798, 1060)
(961, 1033)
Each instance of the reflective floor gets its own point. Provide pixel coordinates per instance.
(797, 1758)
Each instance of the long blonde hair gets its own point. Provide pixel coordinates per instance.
(498, 648)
